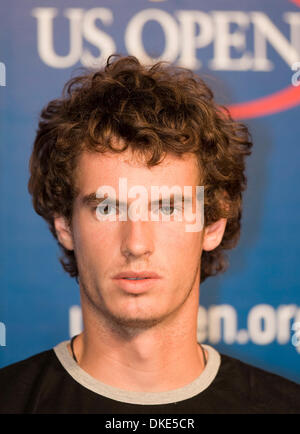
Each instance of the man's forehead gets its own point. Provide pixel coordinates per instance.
(95, 168)
(134, 159)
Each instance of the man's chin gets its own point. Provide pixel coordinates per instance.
(136, 324)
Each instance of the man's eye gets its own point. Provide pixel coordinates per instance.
(167, 210)
(105, 209)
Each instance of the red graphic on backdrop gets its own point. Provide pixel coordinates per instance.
(283, 99)
(267, 105)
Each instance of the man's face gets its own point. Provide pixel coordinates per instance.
(104, 249)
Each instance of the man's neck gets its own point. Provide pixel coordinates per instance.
(164, 357)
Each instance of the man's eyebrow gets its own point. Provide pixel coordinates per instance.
(91, 199)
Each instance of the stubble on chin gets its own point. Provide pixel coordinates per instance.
(122, 324)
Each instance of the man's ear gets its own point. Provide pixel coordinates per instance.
(63, 232)
(213, 234)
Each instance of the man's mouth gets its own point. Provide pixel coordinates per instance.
(137, 282)
(136, 278)
(137, 275)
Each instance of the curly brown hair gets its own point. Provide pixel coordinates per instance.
(156, 110)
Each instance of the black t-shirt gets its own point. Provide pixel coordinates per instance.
(52, 382)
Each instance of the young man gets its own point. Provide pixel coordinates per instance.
(117, 133)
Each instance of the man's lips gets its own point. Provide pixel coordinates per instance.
(145, 281)
(137, 274)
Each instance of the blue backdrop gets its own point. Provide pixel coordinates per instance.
(250, 53)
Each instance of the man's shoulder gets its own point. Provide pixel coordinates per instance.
(253, 374)
(18, 380)
(29, 365)
(264, 389)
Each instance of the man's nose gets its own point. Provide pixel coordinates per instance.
(137, 238)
